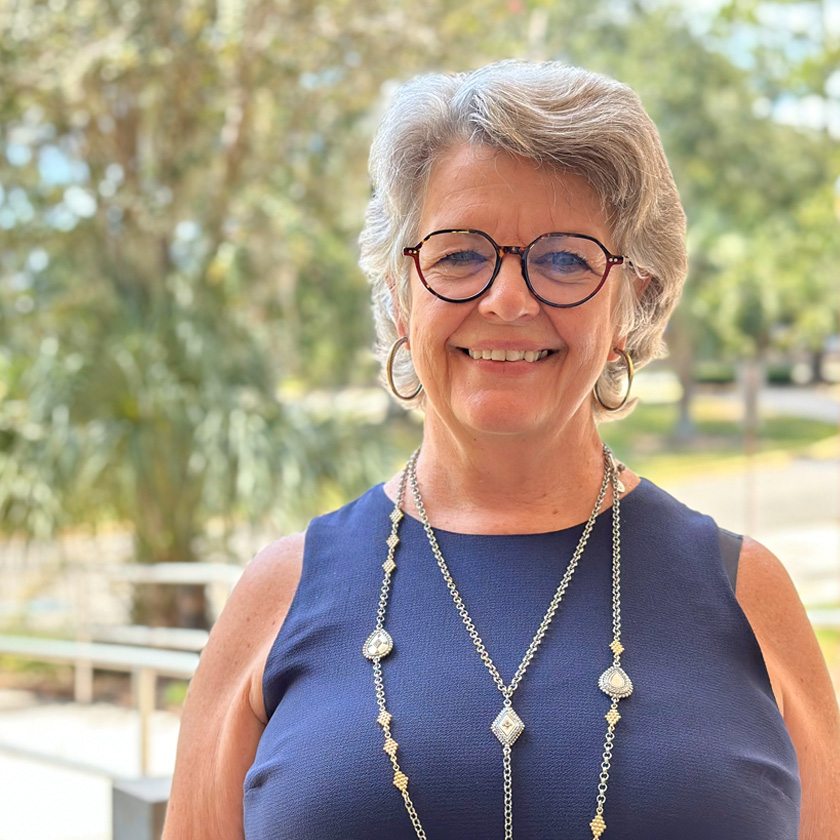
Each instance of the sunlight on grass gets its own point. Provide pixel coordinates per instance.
(830, 644)
(647, 440)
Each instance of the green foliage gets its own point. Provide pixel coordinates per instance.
(174, 255)
(758, 193)
(180, 196)
(648, 441)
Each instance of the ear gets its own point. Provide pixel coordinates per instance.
(641, 280)
(618, 344)
(399, 319)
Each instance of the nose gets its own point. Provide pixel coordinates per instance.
(509, 298)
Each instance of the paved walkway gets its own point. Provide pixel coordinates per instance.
(79, 802)
(792, 505)
(814, 403)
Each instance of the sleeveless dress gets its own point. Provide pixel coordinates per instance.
(701, 751)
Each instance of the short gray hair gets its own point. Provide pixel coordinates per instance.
(563, 117)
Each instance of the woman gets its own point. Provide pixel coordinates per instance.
(514, 636)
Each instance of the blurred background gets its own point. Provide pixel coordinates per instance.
(185, 371)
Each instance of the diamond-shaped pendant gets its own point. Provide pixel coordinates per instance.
(507, 726)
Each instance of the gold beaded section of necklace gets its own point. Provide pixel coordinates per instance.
(507, 726)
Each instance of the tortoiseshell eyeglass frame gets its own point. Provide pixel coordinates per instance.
(522, 252)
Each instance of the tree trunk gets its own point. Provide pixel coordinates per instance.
(752, 379)
(817, 358)
(170, 605)
(681, 345)
(753, 372)
(685, 421)
(166, 521)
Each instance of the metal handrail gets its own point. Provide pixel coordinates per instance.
(144, 665)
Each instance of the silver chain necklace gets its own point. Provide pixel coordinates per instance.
(507, 726)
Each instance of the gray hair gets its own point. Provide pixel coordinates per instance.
(563, 117)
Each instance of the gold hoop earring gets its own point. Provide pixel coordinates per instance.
(389, 370)
(631, 372)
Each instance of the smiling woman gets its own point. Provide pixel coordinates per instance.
(516, 635)
(515, 202)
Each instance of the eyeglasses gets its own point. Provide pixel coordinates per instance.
(560, 269)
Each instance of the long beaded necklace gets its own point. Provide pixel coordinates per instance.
(507, 726)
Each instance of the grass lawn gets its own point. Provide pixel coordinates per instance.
(647, 442)
(830, 643)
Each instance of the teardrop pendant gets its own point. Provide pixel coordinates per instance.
(378, 644)
(615, 682)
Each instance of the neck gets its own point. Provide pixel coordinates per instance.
(507, 484)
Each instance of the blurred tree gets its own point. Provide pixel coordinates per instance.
(793, 50)
(160, 210)
(743, 176)
(181, 187)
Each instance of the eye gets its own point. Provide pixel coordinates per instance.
(456, 255)
(559, 264)
(462, 258)
(568, 261)
(457, 264)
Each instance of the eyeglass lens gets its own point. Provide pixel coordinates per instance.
(562, 268)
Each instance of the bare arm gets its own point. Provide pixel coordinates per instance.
(224, 713)
(800, 682)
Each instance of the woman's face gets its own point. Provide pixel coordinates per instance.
(508, 198)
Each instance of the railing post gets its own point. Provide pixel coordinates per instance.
(83, 681)
(145, 683)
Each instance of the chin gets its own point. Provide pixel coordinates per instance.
(500, 414)
(523, 414)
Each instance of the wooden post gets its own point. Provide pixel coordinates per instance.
(83, 681)
(145, 684)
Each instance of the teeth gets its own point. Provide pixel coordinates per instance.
(509, 355)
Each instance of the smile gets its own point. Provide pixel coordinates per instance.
(508, 355)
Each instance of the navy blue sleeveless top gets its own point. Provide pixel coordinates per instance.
(701, 751)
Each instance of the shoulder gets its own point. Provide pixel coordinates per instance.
(800, 682)
(256, 610)
(241, 638)
(224, 714)
(270, 579)
(771, 604)
(267, 585)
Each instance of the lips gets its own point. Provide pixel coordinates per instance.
(504, 355)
